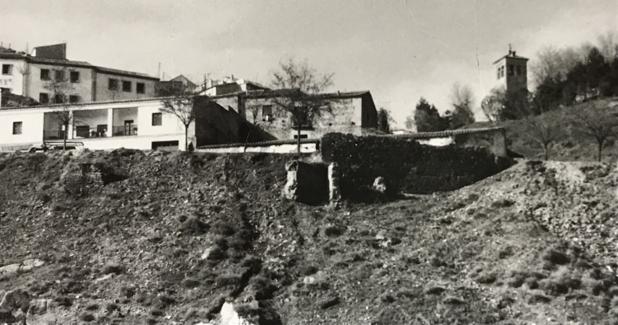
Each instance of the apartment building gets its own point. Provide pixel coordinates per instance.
(48, 76)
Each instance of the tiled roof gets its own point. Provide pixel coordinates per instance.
(124, 72)
(349, 94)
(511, 56)
(34, 59)
(71, 63)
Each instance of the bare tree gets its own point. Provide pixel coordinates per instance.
(599, 123)
(555, 64)
(181, 105)
(384, 120)
(493, 104)
(60, 88)
(409, 123)
(303, 101)
(608, 45)
(462, 100)
(544, 130)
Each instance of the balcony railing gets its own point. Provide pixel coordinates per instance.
(124, 130)
(82, 132)
(53, 135)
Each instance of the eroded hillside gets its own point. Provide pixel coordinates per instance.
(129, 237)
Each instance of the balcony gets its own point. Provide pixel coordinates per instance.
(124, 130)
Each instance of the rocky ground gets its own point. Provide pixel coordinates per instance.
(168, 238)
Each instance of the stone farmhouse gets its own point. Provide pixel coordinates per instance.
(351, 112)
(30, 76)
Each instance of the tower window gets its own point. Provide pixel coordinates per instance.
(511, 69)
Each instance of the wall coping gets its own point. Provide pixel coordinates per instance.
(259, 144)
(448, 133)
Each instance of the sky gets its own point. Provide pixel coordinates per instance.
(399, 50)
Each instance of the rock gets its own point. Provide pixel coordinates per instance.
(452, 300)
(7, 317)
(532, 283)
(290, 189)
(329, 302)
(379, 185)
(194, 226)
(556, 257)
(64, 301)
(190, 283)
(14, 300)
(229, 316)
(86, 317)
(434, 290)
(539, 298)
(26, 265)
(334, 230)
(486, 277)
(112, 268)
(38, 306)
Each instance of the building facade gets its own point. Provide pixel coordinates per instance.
(49, 77)
(136, 124)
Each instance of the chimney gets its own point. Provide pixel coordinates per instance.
(56, 51)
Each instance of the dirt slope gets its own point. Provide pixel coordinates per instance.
(130, 238)
(571, 145)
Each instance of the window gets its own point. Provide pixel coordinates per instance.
(126, 86)
(498, 73)
(112, 84)
(157, 119)
(73, 99)
(267, 112)
(44, 74)
(74, 76)
(43, 98)
(511, 70)
(140, 87)
(7, 69)
(518, 70)
(59, 99)
(59, 75)
(17, 127)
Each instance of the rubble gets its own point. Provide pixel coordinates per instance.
(187, 238)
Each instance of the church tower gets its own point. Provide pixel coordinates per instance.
(511, 72)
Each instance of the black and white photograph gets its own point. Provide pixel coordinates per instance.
(308, 162)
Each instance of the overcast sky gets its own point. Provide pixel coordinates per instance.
(400, 50)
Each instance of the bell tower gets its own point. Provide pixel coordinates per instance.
(511, 71)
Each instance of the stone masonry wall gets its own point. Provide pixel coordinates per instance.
(405, 165)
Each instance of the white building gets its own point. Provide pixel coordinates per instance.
(135, 124)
